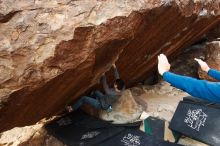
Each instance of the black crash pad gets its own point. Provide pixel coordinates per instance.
(80, 129)
(134, 137)
(201, 102)
(198, 119)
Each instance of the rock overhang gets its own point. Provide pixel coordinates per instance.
(47, 64)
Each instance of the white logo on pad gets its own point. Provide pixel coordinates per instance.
(131, 140)
(90, 135)
(195, 119)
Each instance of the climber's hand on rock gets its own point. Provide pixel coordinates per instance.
(163, 64)
(103, 74)
(204, 66)
(69, 109)
(113, 65)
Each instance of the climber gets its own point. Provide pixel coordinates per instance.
(119, 84)
(98, 99)
(198, 88)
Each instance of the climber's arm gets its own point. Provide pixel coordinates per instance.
(105, 84)
(116, 74)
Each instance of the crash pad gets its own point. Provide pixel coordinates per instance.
(199, 120)
(134, 137)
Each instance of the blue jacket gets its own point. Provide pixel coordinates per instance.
(198, 88)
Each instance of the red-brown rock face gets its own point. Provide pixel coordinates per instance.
(52, 52)
(214, 34)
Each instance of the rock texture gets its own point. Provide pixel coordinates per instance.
(214, 34)
(52, 51)
(125, 110)
(34, 135)
(185, 64)
(212, 57)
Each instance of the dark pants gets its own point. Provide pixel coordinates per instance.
(95, 102)
(99, 95)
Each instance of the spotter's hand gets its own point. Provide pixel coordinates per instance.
(69, 109)
(163, 64)
(204, 66)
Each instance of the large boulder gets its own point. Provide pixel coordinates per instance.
(124, 110)
(53, 51)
